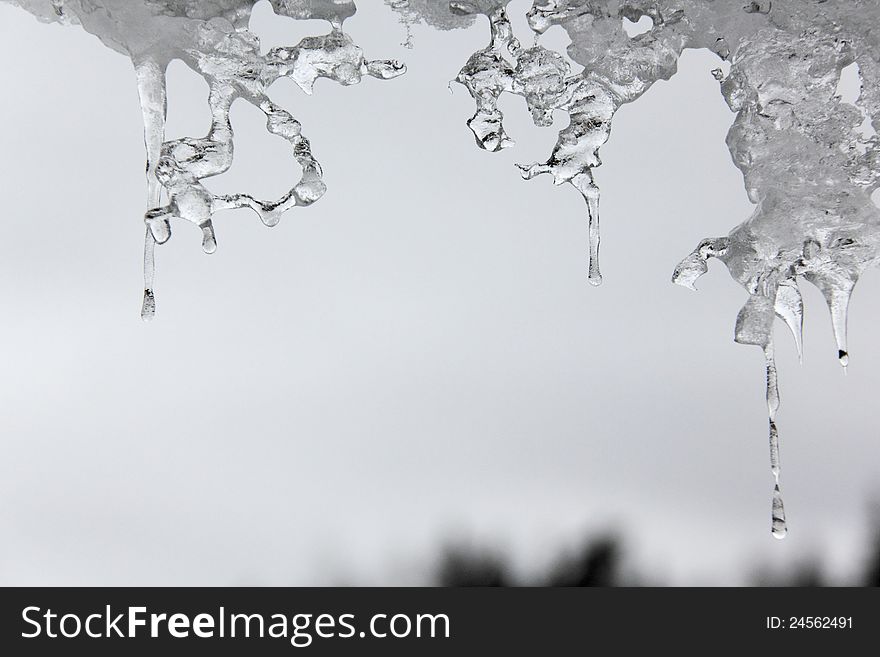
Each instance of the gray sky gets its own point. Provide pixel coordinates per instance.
(418, 358)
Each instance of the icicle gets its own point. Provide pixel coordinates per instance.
(836, 286)
(778, 526)
(774, 450)
(772, 382)
(789, 307)
(754, 325)
(152, 94)
(543, 77)
(148, 307)
(585, 185)
(838, 304)
(809, 164)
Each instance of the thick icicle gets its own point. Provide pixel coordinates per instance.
(837, 287)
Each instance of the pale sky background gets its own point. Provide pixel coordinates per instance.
(415, 360)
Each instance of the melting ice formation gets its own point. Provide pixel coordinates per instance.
(810, 161)
(212, 38)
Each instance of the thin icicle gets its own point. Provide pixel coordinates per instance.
(148, 307)
(154, 107)
(778, 526)
(774, 450)
(772, 381)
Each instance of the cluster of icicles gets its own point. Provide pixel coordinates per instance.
(810, 161)
(213, 39)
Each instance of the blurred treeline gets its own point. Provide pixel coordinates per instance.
(599, 562)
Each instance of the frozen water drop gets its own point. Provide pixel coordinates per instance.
(148, 307)
(778, 526)
(159, 228)
(209, 240)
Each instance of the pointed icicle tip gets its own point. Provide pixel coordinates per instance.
(789, 306)
(837, 290)
(778, 527)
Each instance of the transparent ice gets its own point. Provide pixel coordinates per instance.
(212, 38)
(810, 159)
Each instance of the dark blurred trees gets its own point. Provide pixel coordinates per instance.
(597, 562)
(461, 567)
(872, 571)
